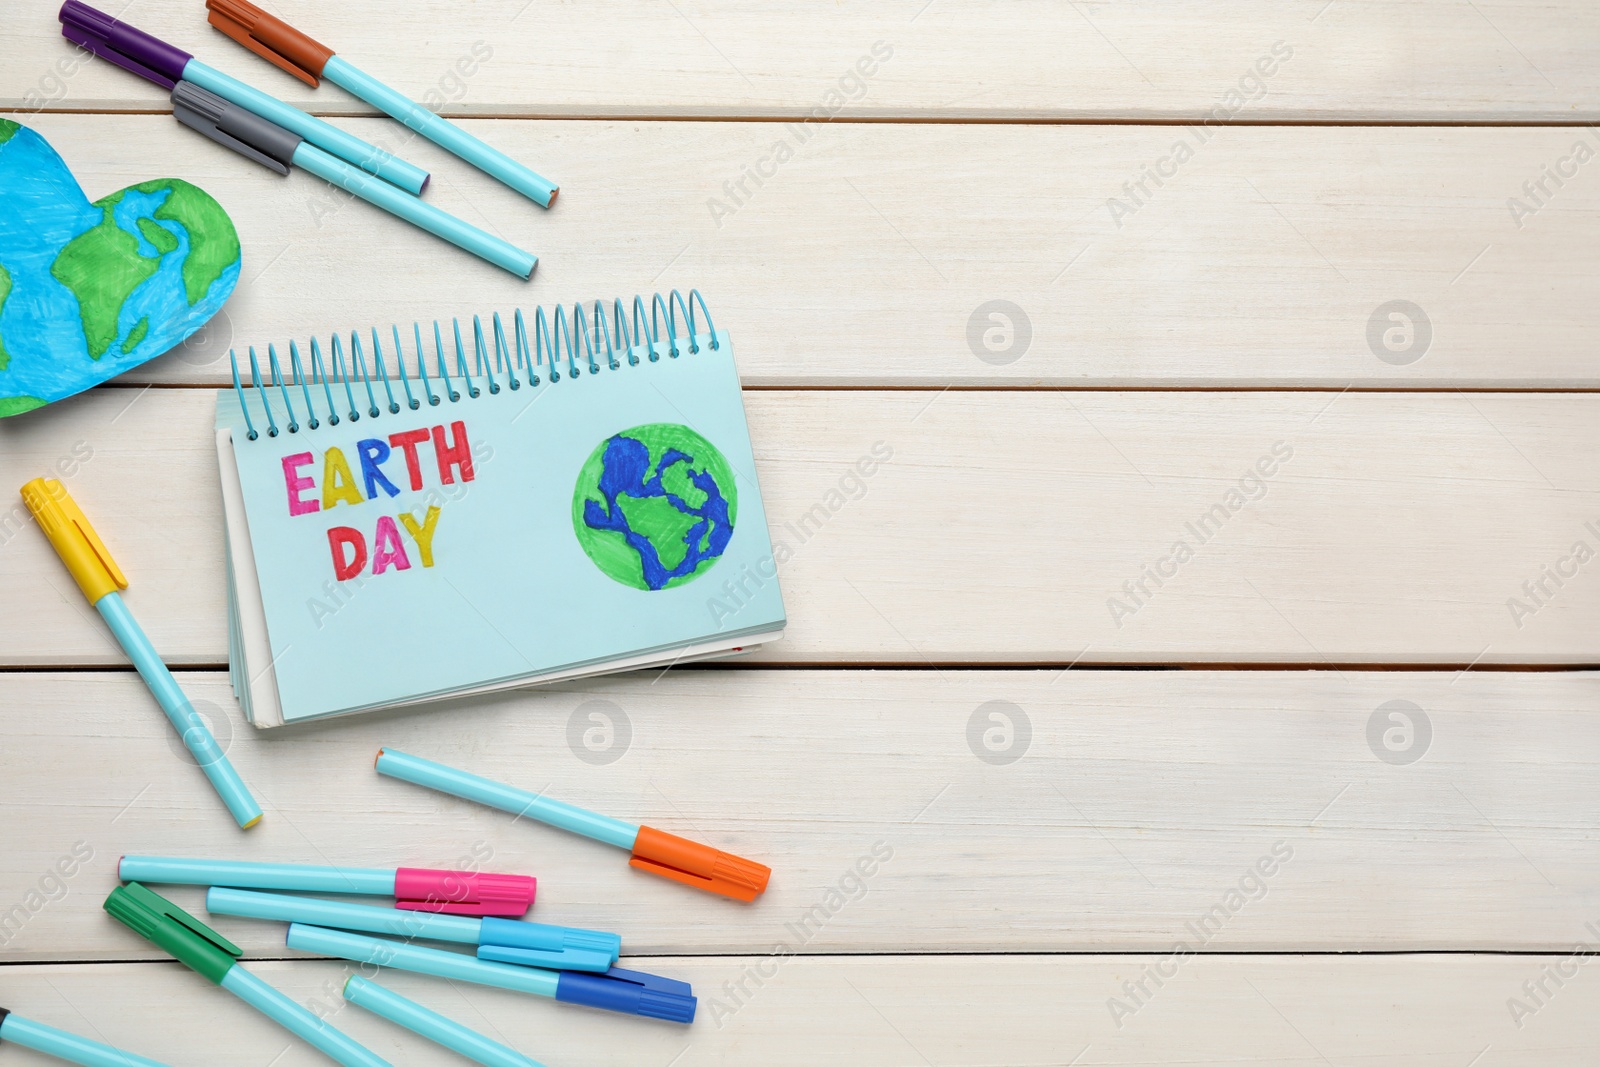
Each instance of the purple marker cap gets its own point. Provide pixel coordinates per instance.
(123, 45)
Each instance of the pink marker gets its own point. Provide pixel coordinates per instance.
(507, 896)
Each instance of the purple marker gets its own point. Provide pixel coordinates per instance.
(152, 58)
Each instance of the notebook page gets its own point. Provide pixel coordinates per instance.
(453, 547)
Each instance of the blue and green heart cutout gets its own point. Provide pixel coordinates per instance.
(88, 291)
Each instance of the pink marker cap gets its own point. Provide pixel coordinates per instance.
(507, 896)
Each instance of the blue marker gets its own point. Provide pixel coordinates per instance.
(97, 574)
(152, 58)
(431, 1025)
(558, 948)
(628, 992)
(70, 1047)
(309, 60)
(276, 148)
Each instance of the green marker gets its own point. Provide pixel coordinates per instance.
(197, 946)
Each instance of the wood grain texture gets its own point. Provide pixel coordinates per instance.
(1493, 60)
(1382, 1011)
(870, 257)
(1002, 529)
(1233, 811)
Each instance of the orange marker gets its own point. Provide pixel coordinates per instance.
(655, 851)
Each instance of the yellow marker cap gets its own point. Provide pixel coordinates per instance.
(74, 540)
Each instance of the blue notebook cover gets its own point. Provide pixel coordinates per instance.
(604, 514)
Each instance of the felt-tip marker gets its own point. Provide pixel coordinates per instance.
(89, 562)
(414, 888)
(214, 957)
(431, 1025)
(653, 850)
(154, 59)
(628, 992)
(559, 948)
(310, 61)
(25, 1033)
(276, 148)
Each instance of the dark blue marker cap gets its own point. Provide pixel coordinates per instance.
(629, 992)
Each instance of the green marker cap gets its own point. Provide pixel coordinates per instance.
(157, 919)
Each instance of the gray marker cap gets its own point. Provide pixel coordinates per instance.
(244, 131)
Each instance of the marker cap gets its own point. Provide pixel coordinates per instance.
(147, 56)
(160, 921)
(559, 948)
(74, 540)
(630, 992)
(271, 38)
(228, 124)
(464, 893)
(698, 865)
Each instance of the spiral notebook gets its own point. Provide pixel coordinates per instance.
(414, 518)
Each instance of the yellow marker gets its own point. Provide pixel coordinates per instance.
(97, 574)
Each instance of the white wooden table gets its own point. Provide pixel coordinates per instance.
(1066, 791)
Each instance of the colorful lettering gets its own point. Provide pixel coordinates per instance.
(340, 538)
(457, 454)
(387, 548)
(422, 533)
(407, 442)
(337, 481)
(374, 453)
(297, 484)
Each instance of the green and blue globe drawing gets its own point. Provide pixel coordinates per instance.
(88, 291)
(654, 506)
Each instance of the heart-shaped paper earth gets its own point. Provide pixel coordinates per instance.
(88, 291)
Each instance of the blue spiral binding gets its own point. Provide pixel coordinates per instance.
(573, 337)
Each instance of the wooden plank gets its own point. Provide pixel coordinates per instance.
(1012, 1010)
(875, 255)
(1136, 809)
(1488, 61)
(1001, 528)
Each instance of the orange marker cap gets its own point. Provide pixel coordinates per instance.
(271, 38)
(698, 865)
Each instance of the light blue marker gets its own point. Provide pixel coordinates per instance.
(431, 1025)
(559, 948)
(441, 132)
(413, 888)
(493, 794)
(629, 992)
(656, 851)
(98, 576)
(74, 1049)
(215, 958)
(332, 140)
(310, 60)
(274, 146)
(334, 1044)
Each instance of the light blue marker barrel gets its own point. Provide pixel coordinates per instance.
(69, 1047)
(507, 798)
(431, 1025)
(441, 132)
(298, 1021)
(558, 948)
(342, 916)
(180, 712)
(168, 870)
(437, 962)
(351, 149)
(418, 212)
